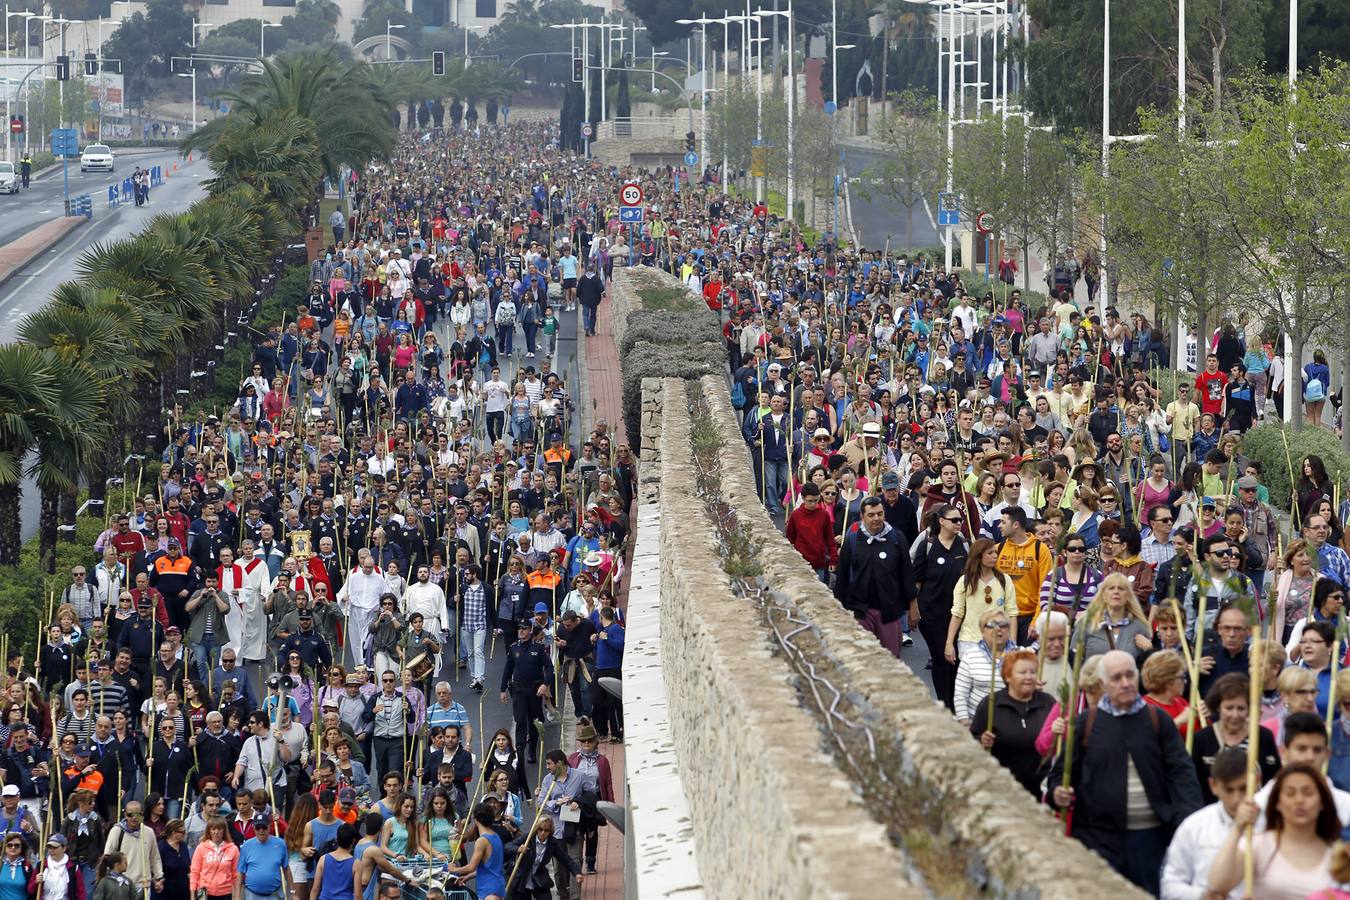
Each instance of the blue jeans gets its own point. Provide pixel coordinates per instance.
(775, 484)
(254, 895)
(588, 318)
(506, 335)
(205, 654)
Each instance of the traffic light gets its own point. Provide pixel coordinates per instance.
(578, 69)
(438, 62)
(63, 68)
(90, 64)
(627, 61)
(689, 142)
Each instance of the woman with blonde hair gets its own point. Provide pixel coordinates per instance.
(978, 673)
(1117, 623)
(1294, 589)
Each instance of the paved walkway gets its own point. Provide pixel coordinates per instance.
(22, 251)
(606, 393)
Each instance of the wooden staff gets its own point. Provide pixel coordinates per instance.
(993, 681)
(538, 814)
(1295, 513)
(1191, 664)
(1202, 597)
(1256, 670)
(1331, 690)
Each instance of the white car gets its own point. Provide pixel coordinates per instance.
(9, 179)
(96, 156)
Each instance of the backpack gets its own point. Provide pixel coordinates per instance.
(737, 394)
(1315, 391)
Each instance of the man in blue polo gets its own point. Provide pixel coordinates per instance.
(262, 860)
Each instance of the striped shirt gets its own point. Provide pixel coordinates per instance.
(105, 698)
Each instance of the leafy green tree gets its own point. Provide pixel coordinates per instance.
(1064, 59)
(524, 29)
(313, 24)
(146, 41)
(378, 13)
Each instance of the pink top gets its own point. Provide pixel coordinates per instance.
(1150, 498)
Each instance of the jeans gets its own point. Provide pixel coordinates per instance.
(472, 642)
(205, 654)
(775, 484)
(506, 335)
(495, 421)
(254, 895)
(588, 317)
(1143, 858)
(530, 332)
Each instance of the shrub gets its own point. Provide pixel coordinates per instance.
(692, 326)
(1266, 444)
(674, 359)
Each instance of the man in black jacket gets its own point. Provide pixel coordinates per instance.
(873, 579)
(531, 875)
(590, 290)
(1132, 782)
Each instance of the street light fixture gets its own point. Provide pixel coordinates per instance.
(389, 27)
(467, 29)
(193, 76)
(200, 26)
(702, 24)
(262, 37)
(791, 103)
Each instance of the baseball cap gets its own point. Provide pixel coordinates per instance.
(143, 602)
(56, 840)
(84, 750)
(10, 790)
(347, 795)
(1207, 501)
(262, 820)
(890, 481)
(306, 614)
(541, 607)
(354, 679)
(173, 629)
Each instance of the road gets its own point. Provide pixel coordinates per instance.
(28, 291)
(880, 220)
(44, 198)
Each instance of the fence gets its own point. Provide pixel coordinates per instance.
(124, 192)
(645, 127)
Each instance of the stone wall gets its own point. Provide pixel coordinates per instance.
(771, 815)
(1012, 844)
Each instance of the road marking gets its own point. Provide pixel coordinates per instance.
(43, 212)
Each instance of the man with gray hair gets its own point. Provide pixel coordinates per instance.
(1132, 781)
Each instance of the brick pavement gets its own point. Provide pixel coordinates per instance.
(602, 361)
(22, 251)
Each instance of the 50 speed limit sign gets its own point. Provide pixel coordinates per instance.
(631, 194)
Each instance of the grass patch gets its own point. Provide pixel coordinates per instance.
(667, 299)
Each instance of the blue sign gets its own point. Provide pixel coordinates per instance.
(586, 131)
(949, 209)
(691, 158)
(830, 107)
(65, 142)
(630, 215)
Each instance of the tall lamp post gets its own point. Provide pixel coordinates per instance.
(791, 99)
(702, 24)
(467, 29)
(389, 28)
(193, 76)
(262, 37)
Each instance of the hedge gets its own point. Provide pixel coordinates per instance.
(1265, 444)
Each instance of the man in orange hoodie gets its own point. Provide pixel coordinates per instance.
(809, 530)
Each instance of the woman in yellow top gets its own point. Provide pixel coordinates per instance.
(980, 588)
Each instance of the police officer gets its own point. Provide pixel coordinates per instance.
(527, 675)
(26, 167)
(313, 649)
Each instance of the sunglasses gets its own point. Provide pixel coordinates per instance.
(1075, 549)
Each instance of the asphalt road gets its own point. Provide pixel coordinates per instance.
(880, 219)
(27, 292)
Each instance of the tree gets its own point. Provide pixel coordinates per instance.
(146, 41)
(911, 167)
(1064, 61)
(314, 23)
(379, 13)
(524, 29)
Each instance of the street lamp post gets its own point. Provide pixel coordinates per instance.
(196, 26)
(791, 97)
(726, 21)
(389, 28)
(1106, 144)
(702, 24)
(193, 76)
(262, 37)
(467, 29)
(655, 54)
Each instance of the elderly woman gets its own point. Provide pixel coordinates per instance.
(1118, 623)
(1227, 702)
(1164, 680)
(1020, 709)
(1298, 693)
(1093, 687)
(1120, 553)
(977, 674)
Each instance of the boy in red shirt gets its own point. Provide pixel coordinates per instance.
(810, 530)
(1210, 385)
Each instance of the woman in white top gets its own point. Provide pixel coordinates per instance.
(1293, 854)
(978, 675)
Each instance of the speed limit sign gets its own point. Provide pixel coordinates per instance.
(984, 222)
(631, 194)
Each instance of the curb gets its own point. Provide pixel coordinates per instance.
(67, 223)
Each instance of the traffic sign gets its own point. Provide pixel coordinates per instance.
(949, 209)
(65, 142)
(691, 158)
(830, 107)
(586, 130)
(631, 194)
(984, 222)
(630, 215)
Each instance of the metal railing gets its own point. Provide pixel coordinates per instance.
(644, 127)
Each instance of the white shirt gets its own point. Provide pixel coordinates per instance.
(363, 591)
(497, 394)
(429, 600)
(1185, 874)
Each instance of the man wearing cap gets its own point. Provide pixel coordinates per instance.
(140, 636)
(525, 681)
(305, 639)
(262, 863)
(901, 513)
(82, 773)
(1258, 517)
(863, 451)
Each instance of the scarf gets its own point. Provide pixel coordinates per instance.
(56, 879)
(82, 821)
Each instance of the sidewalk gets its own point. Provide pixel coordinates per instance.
(17, 254)
(606, 395)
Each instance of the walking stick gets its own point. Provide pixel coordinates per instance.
(539, 812)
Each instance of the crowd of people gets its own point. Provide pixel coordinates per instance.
(1095, 568)
(248, 688)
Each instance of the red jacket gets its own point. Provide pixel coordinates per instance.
(606, 780)
(75, 887)
(812, 533)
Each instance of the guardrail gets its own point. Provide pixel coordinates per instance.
(81, 205)
(124, 191)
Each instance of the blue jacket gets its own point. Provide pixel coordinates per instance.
(609, 652)
(775, 437)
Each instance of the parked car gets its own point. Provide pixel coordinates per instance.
(9, 178)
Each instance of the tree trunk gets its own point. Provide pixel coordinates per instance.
(1293, 379)
(48, 518)
(69, 508)
(909, 225)
(885, 59)
(11, 496)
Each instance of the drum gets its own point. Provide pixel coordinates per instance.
(420, 666)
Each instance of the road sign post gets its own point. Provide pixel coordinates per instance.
(949, 209)
(65, 144)
(631, 215)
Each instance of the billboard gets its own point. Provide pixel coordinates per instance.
(106, 93)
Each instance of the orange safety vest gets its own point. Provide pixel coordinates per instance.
(180, 566)
(559, 457)
(544, 580)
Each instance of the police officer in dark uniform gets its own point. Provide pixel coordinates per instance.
(527, 675)
(26, 167)
(313, 649)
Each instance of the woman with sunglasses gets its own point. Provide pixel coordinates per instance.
(978, 671)
(15, 869)
(980, 589)
(1294, 588)
(940, 557)
(1328, 601)
(1072, 587)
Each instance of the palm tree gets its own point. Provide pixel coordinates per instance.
(350, 116)
(279, 157)
(45, 405)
